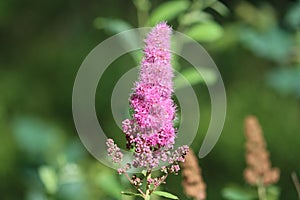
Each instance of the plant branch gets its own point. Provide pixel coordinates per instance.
(161, 181)
(131, 181)
(296, 183)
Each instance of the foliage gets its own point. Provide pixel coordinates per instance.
(254, 43)
(274, 41)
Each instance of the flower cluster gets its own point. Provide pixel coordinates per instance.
(114, 151)
(151, 126)
(149, 131)
(259, 169)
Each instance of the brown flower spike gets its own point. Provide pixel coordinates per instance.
(259, 170)
(193, 183)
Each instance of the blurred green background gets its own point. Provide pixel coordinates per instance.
(255, 44)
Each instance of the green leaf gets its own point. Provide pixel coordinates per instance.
(144, 172)
(194, 17)
(285, 80)
(206, 32)
(293, 15)
(238, 193)
(36, 137)
(168, 11)
(192, 77)
(131, 194)
(111, 26)
(220, 8)
(109, 183)
(115, 26)
(49, 178)
(207, 3)
(165, 194)
(274, 43)
(273, 192)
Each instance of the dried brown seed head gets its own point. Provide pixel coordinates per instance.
(193, 183)
(257, 157)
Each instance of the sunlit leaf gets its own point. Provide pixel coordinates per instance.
(207, 3)
(220, 8)
(274, 43)
(194, 17)
(205, 32)
(112, 26)
(49, 178)
(131, 194)
(273, 192)
(168, 11)
(237, 193)
(191, 76)
(165, 194)
(144, 172)
(70, 173)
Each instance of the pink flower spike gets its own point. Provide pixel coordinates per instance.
(150, 130)
(151, 101)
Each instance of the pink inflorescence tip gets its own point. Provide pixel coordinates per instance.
(151, 127)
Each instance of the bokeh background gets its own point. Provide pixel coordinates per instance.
(255, 44)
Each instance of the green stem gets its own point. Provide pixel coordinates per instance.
(147, 195)
(142, 8)
(137, 187)
(142, 18)
(261, 190)
(162, 180)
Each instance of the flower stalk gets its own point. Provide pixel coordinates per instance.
(148, 177)
(259, 171)
(261, 190)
